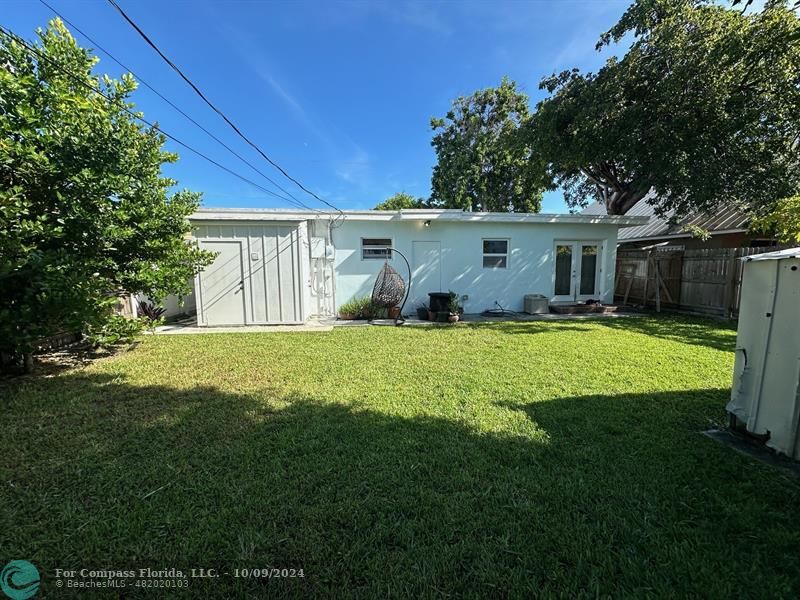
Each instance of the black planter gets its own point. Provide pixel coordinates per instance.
(440, 301)
(422, 313)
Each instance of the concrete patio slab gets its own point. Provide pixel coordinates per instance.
(754, 449)
(481, 318)
(189, 326)
(189, 329)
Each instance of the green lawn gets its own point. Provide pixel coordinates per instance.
(510, 459)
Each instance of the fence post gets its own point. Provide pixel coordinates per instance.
(732, 284)
(657, 282)
(646, 278)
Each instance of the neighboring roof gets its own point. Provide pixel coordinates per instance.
(725, 220)
(273, 214)
(777, 255)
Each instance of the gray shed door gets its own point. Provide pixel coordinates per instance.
(222, 285)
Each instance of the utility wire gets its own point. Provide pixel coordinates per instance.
(177, 108)
(35, 51)
(213, 107)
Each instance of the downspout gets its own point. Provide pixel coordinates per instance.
(332, 266)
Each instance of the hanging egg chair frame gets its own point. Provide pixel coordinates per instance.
(399, 320)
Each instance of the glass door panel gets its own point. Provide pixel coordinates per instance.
(563, 285)
(588, 269)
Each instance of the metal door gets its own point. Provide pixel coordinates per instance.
(222, 285)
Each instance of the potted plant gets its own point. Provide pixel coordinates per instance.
(454, 308)
(422, 311)
(393, 312)
(372, 310)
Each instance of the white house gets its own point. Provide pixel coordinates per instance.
(278, 266)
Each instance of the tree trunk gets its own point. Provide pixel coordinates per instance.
(618, 193)
(27, 362)
(621, 201)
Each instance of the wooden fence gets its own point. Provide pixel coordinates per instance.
(706, 281)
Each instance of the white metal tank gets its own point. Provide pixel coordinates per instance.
(765, 398)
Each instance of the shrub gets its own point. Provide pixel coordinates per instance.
(453, 305)
(86, 210)
(152, 314)
(360, 308)
(116, 329)
(151, 310)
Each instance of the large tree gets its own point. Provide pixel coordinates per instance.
(401, 200)
(85, 212)
(704, 108)
(482, 161)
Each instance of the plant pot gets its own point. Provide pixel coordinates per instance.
(393, 312)
(452, 318)
(422, 314)
(347, 317)
(443, 317)
(431, 316)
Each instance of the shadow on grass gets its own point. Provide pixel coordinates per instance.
(524, 327)
(616, 494)
(717, 334)
(720, 335)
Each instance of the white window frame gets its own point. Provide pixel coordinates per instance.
(506, 254)
(385, 255)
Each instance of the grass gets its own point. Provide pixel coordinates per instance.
(514, 459)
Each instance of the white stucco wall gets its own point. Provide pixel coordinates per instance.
(530, 264)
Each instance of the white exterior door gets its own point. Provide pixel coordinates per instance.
(577, 270)
(426, 272)
(222, 285)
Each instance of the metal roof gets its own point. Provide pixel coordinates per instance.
(725, 220)
(270, 214)
(777, 255)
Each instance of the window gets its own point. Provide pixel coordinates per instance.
(495, 254)
(375, 248)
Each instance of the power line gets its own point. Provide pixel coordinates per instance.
(213, 107)
(33, 50)
(177, 108)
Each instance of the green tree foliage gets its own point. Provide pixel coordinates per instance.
(782, 222)
(400, 201)
(704, 108)
(85, 213)
(482, 161)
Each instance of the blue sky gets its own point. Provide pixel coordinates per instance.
(340, 93)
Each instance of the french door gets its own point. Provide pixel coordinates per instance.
(577, 271)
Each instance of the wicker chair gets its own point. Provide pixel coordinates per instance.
(389, 287)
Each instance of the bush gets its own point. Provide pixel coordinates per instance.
(453, 305)
(86, 211)
(151, 314)
(151, 310)
(360, 308)
(116, 329)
